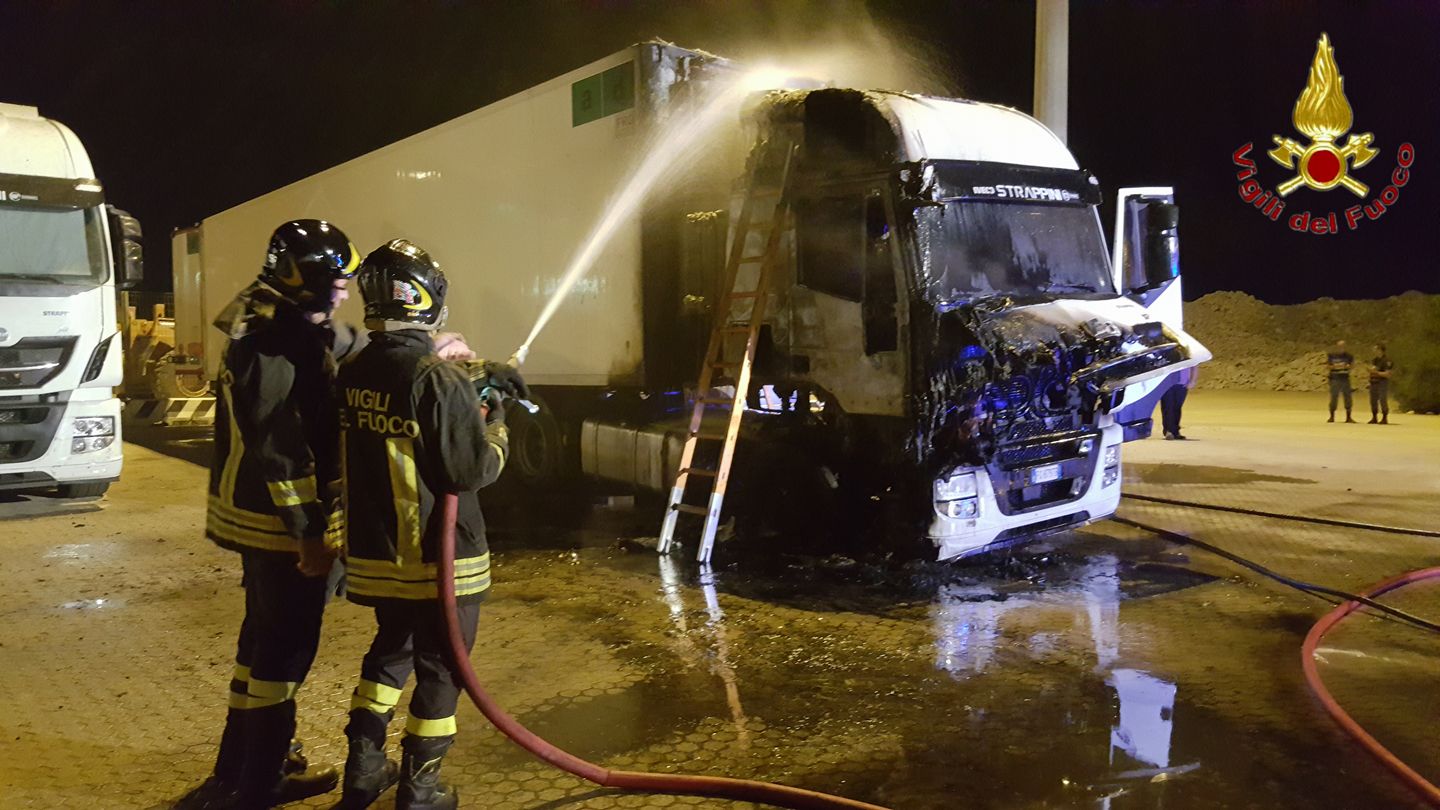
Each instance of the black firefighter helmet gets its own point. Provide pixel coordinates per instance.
(401, 283)
(305, 258)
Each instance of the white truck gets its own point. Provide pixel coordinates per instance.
(948, 317)
(61, 250)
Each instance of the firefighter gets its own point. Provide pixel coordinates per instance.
(412, 429)
(275, 447)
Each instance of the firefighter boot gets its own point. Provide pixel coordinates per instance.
(420, 785)
(221, 788)
(367, 775)
(295, 761)
(267, 781)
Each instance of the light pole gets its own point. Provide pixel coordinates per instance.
(1052, 63)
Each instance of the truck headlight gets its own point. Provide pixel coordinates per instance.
(1112, 455)
(84, 445)
(963, 508)
(94, 426)
(959, 485)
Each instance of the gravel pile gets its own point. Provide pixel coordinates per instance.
(1263, 347)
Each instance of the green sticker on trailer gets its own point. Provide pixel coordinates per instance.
(585, 101)
(595, 97)
(619, 84)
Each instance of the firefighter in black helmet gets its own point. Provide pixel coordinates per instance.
(412, 429)
(275, 452)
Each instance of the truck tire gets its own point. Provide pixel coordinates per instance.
(537, 446)
(87, 489)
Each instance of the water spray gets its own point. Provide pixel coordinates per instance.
(680, 137)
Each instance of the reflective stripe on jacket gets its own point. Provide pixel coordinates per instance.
(275, 434)
(411, 427)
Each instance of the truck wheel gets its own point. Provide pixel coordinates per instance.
(537, 445)
(89, 489)
(167, 383)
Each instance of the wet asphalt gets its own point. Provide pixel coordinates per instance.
(1099, 668)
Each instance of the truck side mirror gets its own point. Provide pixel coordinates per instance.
(1160, 238)
(1147, 240)
(125, 236)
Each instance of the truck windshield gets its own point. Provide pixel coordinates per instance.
(975, 247)
(55, 245)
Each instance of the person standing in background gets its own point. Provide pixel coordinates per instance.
(1173, 401)
(1380, 369)
(1338, 363)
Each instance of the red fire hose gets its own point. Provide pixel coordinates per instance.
(1312, 676)
(709, 786)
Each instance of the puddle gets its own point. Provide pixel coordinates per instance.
(1203, 474)
(92, 604)
(1083, 671)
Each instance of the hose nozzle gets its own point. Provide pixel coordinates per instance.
(514, 362)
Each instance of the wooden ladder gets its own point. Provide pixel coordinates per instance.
(726, 328)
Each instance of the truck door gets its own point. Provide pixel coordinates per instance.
(843, 321)
(1146, 265)
(703, 241)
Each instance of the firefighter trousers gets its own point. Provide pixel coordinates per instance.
(278, 640)
(411, 636)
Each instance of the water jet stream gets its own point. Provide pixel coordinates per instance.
(678, 137)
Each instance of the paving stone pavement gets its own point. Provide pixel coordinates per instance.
(1051, 677)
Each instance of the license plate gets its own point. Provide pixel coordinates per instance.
(1049, 472)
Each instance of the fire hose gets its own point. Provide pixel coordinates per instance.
(801, 799)
(716, 787)
(1352, 603)
(1420, 784)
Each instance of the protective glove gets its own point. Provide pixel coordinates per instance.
(492, 405)
(506, 378)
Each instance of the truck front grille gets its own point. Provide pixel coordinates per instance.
(14, 451)
(26, 431)
(32, 362)
(1014, 473)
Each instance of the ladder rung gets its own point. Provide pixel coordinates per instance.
(699, 471)
(717, 400)
(691, 510)
(752, 259)
(726, 364)
(751, 294)
(711, 437)
(736, 330)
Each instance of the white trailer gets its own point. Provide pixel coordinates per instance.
(947, 317)
(61, 250)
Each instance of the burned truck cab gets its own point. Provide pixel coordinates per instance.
(951, 292)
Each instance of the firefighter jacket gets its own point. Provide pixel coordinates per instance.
(275, 433)
(411, 430)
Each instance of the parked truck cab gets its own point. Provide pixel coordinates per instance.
(59, 355)
(951, 292)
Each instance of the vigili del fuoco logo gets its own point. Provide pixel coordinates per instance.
(1323, 115)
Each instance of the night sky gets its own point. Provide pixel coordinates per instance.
(191, 107)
